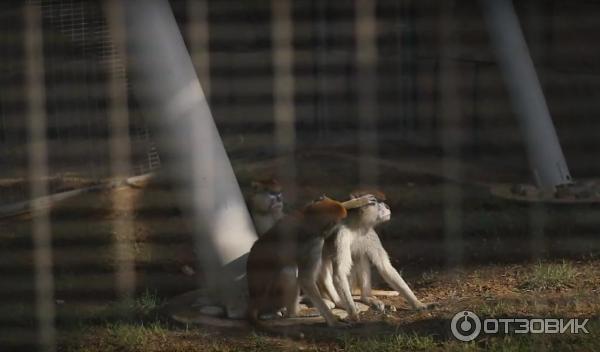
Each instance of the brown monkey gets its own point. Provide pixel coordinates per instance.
(287, 258)
(266, 204)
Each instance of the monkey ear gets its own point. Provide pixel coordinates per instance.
(256, 185)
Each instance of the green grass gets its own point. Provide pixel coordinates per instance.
(147, 303)
(143, 307)
(531, 342)
(495, 309)
(546, 276)
(134, 337)
(399, 342)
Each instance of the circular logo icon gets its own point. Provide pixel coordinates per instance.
(465, 326)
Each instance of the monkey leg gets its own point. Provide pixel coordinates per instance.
(290, 292)
(307, 278)
(328, 287)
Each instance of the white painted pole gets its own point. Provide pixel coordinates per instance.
(546, 158)
(164, 81)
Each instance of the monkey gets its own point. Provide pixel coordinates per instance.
(266, 208)
(349, 253)
(266, 204)
(288, 257)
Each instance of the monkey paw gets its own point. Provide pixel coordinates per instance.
(425, 306)
(432, 305)
(353, 317)
(329, 303)
(374, 303)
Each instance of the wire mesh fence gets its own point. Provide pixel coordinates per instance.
(402, 96)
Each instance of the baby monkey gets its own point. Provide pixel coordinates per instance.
(348, 254)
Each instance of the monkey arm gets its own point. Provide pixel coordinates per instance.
(326, 282)
(308, 273)
(342, 265)
(381, 261)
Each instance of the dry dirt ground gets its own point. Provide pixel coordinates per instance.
(518, 260)
(489, 291)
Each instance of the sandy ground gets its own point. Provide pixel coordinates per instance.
(500, 241)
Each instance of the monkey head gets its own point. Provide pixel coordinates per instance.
(374, 213)
(324, 213)
(266, 196)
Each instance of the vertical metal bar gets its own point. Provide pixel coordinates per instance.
(451, 136)
(407, 67)
(198, 33)
(321, 64)
(546, 159)
(120, 153)
(165, 83)
(283, 90)
(366, 62)
(538, 46)
(475, 118)
(38, 176)
(537, 226)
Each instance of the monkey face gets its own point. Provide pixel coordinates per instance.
(375, 213)
(383, 212)
(267, 202)
(267, 197)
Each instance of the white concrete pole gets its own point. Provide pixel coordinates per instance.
(164, 81)
(546, 158)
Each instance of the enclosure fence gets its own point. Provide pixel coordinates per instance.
(382, 83)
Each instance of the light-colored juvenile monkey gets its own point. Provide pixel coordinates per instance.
(266, 204)
(348, 254)
(288, 257)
